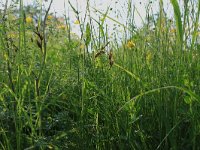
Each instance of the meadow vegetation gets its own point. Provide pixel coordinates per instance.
(61, 91)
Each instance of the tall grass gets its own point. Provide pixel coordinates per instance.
(58, 91)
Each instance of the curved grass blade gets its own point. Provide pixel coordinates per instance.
(128, 72)
(192, 94)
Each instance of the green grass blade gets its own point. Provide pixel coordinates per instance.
(128, 72)
(177, 14)
(88, 35)
(114, 20)
(192, 94)
(196, 26)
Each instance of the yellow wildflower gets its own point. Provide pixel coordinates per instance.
(77, 22)
(29, 20)
(63, 27)
(130, 44)
(173, 30)
(82, 46)
(12, 35)
(49, 17)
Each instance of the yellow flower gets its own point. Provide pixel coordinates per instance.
(173, 30)
(77, 22)
(12, 35)
(29, 20)
(63, 27)
(82, 46)
(49, 17)
(130, 44)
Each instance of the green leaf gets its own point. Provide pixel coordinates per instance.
(104, 16)
(177, 14)
(188, 100)
(88, 34)
(194, 36)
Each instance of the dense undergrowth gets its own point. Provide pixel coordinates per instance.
(58, 91)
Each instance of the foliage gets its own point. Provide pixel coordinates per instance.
(59, 91)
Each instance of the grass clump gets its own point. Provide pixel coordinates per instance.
(61, 91)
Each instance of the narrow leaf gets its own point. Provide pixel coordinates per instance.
(177, 14)
(88, 34)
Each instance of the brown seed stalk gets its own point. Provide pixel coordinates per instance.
(39, 44)
(110, 57)
(99, 53)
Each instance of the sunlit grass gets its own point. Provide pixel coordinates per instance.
(139, 89)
